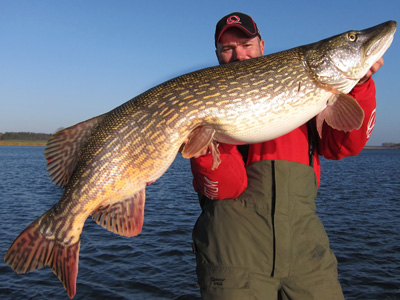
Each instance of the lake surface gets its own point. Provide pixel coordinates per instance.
(358, 202)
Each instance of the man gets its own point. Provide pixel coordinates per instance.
(264, 240)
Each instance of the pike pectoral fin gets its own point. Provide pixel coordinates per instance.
(62, 150)
(124, 217)
(198, 140)
(31, 250)
(342, 113)
(216, 160)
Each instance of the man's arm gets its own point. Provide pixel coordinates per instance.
(337, 144)
(229, 180)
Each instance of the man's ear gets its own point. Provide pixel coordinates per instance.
(262, 44)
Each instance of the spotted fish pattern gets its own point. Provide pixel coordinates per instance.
(104, 164)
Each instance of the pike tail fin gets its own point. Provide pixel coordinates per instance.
(31, 250)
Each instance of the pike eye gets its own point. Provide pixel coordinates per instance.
(352, 37)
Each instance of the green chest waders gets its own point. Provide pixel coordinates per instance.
(268, 239)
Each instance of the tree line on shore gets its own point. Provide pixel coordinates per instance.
(31, 136)
(26, 136)
(391, 145)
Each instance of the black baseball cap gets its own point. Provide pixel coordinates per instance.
(239, 20)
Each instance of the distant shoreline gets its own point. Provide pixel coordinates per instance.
(43, 143)
(22, 143)
(382, 147)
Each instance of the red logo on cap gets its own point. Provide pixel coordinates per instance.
(233, 19)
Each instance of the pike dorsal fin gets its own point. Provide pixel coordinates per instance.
(124, 217)
(62, 150)
(342, 113)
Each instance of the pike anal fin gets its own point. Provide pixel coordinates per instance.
(31, 250)
(124, 217)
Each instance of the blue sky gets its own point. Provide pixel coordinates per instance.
(62, 62)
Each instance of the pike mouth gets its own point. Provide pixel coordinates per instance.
(380, 46)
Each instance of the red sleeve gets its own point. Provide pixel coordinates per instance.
(337, 144)
(229, 180)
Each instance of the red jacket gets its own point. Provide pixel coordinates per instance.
(230, 180)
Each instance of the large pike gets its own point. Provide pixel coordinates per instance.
(106, 162)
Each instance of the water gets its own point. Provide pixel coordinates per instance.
(358, 204)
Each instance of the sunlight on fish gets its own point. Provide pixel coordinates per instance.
(105, 163)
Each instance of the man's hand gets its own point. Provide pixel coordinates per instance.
(375, 67)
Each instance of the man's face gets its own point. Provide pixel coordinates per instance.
(235, 45)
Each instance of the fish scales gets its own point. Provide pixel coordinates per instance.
(115, 122)
(106, 162)
(172, 135)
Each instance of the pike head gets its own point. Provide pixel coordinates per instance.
(341, 61)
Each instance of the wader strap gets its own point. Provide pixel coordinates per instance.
(244, 150)
(311, 143)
